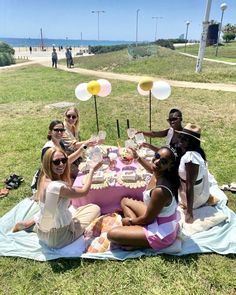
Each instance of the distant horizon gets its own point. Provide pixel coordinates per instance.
(123, 20)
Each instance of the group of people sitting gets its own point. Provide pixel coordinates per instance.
(179, 177)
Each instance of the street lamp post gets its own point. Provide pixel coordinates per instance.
(156, 18)
(137, 12)
(186, 35)
(223, 7)
(98, 13)
(202, 44)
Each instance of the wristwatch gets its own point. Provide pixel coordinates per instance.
(130, 221)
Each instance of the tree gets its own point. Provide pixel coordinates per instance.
(229, 32)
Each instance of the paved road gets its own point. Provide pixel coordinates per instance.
(46, 61)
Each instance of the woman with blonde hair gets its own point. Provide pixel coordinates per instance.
(56, 226)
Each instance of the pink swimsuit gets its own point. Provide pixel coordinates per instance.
(162, 232)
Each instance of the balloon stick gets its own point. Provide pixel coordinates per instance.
(96, 111)
(118, 128)
(127, 123)
(150, 113)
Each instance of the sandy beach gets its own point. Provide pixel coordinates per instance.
(37, 52)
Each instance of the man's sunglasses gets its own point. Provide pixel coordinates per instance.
(58, 161)
(172, 119)
(163, 161)
(59, 130)
(71, 116)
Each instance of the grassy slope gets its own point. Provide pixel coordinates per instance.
(227, 52)
(24, 93)
(167, 64)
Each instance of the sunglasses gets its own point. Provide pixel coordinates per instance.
(163, 161)
(59, 130)
(71, 116)
(58, 161)
(172, 119)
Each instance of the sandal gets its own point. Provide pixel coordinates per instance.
(4, 192)
(224, 187)
(13, 181)
(232, 187)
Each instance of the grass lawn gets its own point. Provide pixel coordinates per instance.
(24, 120)
(226, 51)
(167, 64)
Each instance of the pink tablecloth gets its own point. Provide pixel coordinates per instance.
(108, 198)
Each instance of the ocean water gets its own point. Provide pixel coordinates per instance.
(26, 42)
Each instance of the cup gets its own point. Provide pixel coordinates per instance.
(111, 179)
(113, 157)
(131, 132)
(130, 144)
(102, 135)
(139, 137)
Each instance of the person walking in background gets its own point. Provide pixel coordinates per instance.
(54, 58)
(30, 49)
(69, 59)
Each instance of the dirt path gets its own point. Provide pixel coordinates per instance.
(124, 77)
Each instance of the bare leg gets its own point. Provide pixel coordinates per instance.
(128, 237)
(133, 208)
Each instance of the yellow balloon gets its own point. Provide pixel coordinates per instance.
(93, 87)
(146, 83)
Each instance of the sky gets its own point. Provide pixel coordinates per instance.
(73, 19)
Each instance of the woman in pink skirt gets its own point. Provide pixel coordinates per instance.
(153, 222)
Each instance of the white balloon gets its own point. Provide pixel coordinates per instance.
(105, 87)
(82, 93)
(141, 91)
(161, 90)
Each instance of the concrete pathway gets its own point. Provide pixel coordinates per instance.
(46, 61)
(209, 59)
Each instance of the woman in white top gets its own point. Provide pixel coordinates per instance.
(153, 222)
(56, 226)
(193, 171)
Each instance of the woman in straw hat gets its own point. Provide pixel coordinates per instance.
(193, 171)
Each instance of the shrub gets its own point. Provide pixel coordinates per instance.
(4, 47)
(6, 59)
(6, 54)
(104, 49)
(165, 43)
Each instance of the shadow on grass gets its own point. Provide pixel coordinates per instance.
(63, 265)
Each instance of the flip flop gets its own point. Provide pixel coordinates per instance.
(232, 187)
(225, 187)
(4, 192)
(13, 181)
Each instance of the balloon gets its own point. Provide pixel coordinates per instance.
(161, 90)
(93, 87)
(105, 87)
(142, 92)
(146, 83)
(82, 93)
